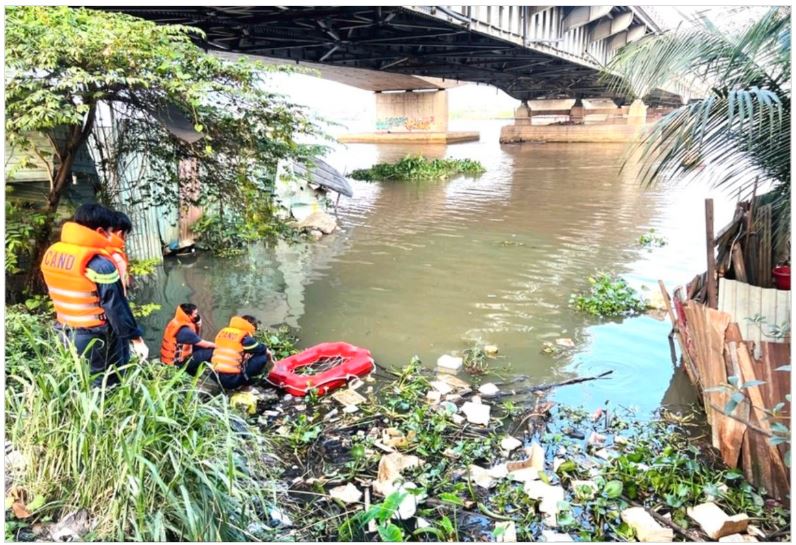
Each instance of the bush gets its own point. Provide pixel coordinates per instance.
(224, 236)
(149, 459)
(609, 295)
(416, 167)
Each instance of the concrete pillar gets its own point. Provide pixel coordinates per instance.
(637, 113)
(578, 112)
(412, 111)
(522, 115)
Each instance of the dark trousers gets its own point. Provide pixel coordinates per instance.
(101, 348)
(254, 367)
(198, 357)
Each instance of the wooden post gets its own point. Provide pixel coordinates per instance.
(710, 242)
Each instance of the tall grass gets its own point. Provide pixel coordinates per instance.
(148, 459)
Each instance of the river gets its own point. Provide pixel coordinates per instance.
(427, 268)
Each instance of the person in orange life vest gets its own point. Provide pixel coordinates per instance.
(182, 345)
(238, 357)
(92, 311)
(118, 234)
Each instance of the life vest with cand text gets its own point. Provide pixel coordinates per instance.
(71, 284)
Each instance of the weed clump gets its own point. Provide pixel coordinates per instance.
(417, 168)
(149, 459)
(651, 239)
(609, 295)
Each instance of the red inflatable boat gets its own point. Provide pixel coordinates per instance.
(337, 363)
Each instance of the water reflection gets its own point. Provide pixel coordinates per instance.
(426, 268)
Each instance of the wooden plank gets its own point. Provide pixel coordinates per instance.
(764, 248)
(706, 329)
(731, 430)
(677, 327)
(738, 267)
(762, 463)
(711, 255)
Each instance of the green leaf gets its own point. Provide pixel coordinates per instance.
(36, 504)
(733, 380)
(752, 383)
(783, 368)
(613, 489)
(390, 532)
(778, 427)
(451, 498)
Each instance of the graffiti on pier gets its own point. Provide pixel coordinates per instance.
(406, 123)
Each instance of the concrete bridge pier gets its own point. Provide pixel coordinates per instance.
(417, 116)
(576, 120)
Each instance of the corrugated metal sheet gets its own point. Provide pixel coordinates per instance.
(743, 302)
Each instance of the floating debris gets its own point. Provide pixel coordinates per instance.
(347, 493)
(390, 468)
(646, 528)
(450, 363)
(505, 532)
(565, 342)
(488, 390)
(510, 443)
(476, 413)
(481, 477)
(550, 497)
(348, 397)
(554, 537)
(490, 350)
(715, 522)
(442, 387)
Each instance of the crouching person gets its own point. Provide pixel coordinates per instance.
(238, 358)
(182, 343)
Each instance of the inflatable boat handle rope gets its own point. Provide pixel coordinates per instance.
(347, 378)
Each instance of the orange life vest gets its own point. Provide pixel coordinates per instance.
(171, 351)
(120, 259)
(69, 281)
(228, 355)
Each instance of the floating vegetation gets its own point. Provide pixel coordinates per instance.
(609, 295)
(651, 239)
(476, 360)
(417, 168)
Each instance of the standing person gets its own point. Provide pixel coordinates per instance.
(182, 343)
(118, 234)
(91, 308)
(238, 357)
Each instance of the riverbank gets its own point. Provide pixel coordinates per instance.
(315, 469)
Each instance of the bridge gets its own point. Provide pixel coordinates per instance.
(530, 52)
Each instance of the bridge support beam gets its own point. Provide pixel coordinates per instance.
(412, 110)
(415, 116)
(607, 123)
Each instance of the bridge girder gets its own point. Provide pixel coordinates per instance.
(418, 41)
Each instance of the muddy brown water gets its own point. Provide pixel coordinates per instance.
(427, 268)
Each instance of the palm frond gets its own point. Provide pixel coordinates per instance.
(744, 135)
(708, 57)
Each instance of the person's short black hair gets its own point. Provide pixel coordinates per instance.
(251, 319)
(188, 308)
(95, 216)
(122, 222)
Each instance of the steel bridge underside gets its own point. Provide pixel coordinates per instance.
(390, 39)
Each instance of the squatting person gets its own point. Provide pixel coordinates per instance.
(238, 357)
(182, 343)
